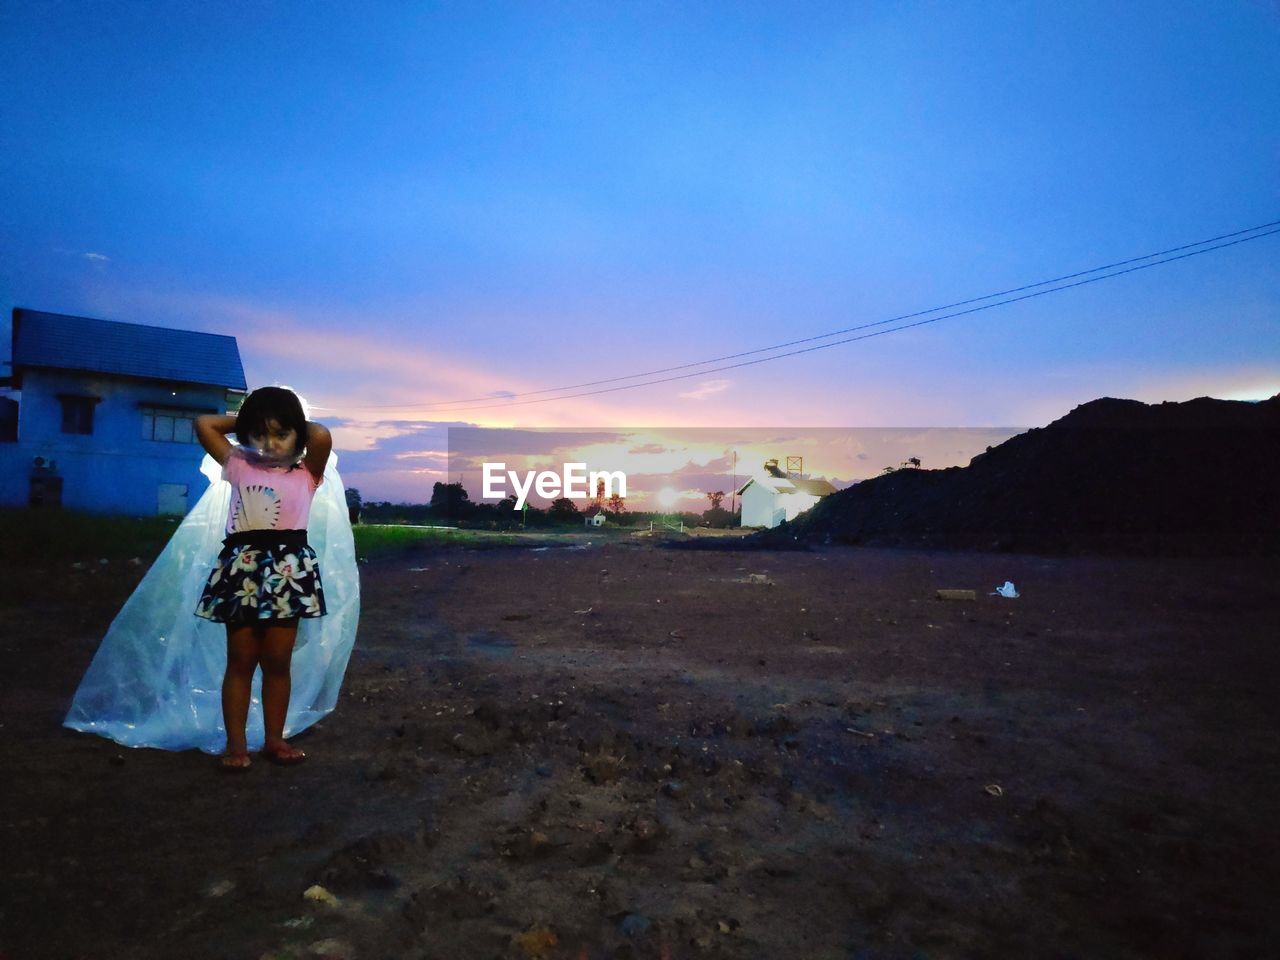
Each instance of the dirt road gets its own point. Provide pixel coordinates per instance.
(630, 751)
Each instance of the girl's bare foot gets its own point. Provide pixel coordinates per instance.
(236, 761)
(283, 754)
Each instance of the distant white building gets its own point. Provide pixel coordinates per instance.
(772, 496)
(104, 412)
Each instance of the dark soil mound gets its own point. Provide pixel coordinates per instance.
(1112, 476)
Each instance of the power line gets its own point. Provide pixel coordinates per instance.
(864, 326)
(867, 336)
(510, 401)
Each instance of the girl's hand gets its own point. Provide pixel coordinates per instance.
(319, 443)
(212, 429)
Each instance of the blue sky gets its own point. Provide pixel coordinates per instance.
(395, 205)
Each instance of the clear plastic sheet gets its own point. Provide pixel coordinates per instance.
(156, 680)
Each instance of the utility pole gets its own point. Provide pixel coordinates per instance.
(733, 497)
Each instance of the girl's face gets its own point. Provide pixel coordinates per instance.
(278, 443)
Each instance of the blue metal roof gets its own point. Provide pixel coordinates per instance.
(124, 349)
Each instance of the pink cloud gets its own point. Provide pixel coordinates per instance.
(706, 389)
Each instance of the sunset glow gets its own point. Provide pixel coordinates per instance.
(525, 216)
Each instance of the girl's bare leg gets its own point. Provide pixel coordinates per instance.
(276, 655)
(244, 649)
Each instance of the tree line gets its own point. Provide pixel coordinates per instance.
(452, 506)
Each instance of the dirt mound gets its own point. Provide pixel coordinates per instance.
(1112, 476)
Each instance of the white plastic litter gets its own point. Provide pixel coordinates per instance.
(156, 680)
(1007, 590)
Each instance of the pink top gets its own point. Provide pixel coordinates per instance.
(267, 498)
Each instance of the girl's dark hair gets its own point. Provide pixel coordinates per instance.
(271, 403)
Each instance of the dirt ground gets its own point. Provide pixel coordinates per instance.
(632, 751)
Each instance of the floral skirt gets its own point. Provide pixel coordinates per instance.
(263, 575)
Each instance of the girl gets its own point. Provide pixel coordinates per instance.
(267, 577)
(164, 678)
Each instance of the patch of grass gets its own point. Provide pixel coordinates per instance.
(375, 540)
(30, 536)
(42, 537)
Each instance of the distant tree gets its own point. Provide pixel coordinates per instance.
(504, 512)
(563, 510)
(450, 500)
(354, 503)
(716, 499)
(912, 462)
(616, 503)
(717, 517)
(888, 469)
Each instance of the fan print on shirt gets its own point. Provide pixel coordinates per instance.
(257, 509)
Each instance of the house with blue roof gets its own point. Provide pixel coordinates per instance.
(99, 413)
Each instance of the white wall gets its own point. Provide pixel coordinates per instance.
(760, 507)
(794, 504)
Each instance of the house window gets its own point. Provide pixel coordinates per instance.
(8, 420)
(169, 425)
(77, 413)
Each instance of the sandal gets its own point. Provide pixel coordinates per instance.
(237, 762)
(284, 755)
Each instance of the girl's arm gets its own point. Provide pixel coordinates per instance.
(212, 430)
(319, 443)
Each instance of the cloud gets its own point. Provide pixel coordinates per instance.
(396, 486)
(402, 459)
(484, 442)
(379, 362)
(422, 455)
(382, 447)
(706, 389)
(397, 377)
(97, 257)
